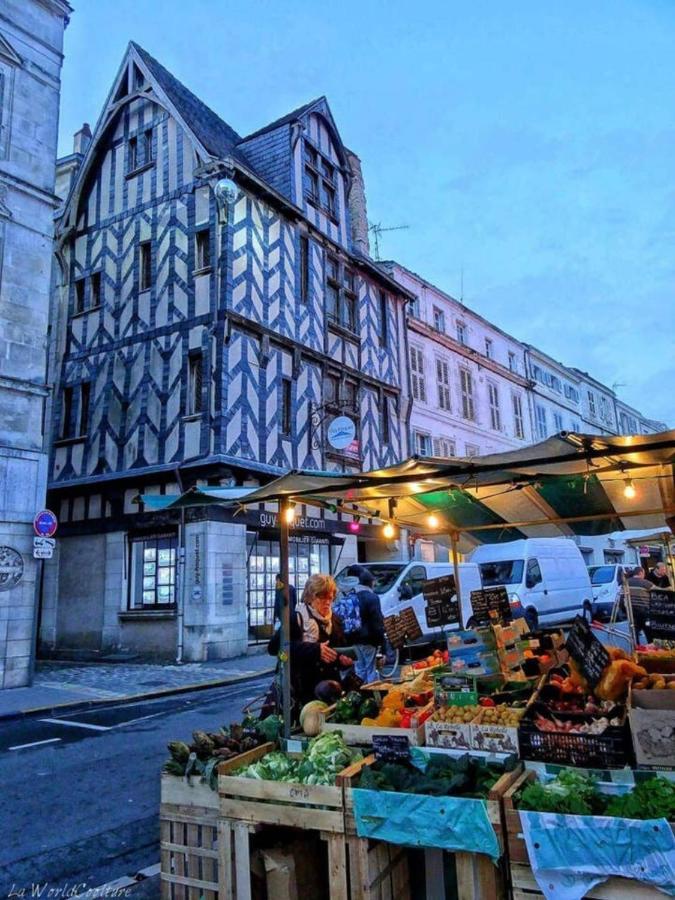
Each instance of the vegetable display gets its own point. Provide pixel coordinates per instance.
(464, 776)
(326, 756)
(400, 708)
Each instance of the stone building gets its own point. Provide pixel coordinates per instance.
(218, 313)
(31, 44)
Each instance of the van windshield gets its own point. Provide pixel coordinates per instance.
(506, 571)
(601, 574)
(385, 575)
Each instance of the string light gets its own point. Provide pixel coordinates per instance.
(433, 521)
(629, 489)
(355, 526)
(389, 531)
(289, 514)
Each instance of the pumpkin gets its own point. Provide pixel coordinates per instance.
(311, 717)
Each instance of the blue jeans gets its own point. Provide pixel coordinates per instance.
(365, 662)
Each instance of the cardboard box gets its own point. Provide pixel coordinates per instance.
(448, 735)
(652, 723)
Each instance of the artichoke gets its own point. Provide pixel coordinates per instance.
(179, 751)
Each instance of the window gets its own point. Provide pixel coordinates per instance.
(331, 389)
(320, 186)
(304, 268)
(489, 348)
(554, 383)
(604, 410)
(195, 381)
(461, 332)
(537, 374)
(513, 365)
(472, 450)
(145, 263)
(518, 425)
(95, 290)
(340, 294)
(532, 573)
(423, 443)
(132, 163)
(67, 413)
(439, 319)
(591, 402)
(350, 394)
(153, 565)
(444, 447)
(384, 320)
(286, 406)
(540, 416)
(419, 390)
(202, 249)
(147, 146)
(443, 381)
(466, 383)
(495, 414)
(571, 393)
(414, 308)
(386, 423)
(80, 295)
(557, 422)
(85, 391)
(575, 426)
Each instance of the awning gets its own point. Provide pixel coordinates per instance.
(194, 497)
(568, 484)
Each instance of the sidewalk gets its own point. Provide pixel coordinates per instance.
(78, 685)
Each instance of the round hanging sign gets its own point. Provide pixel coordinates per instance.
(11, 568)
(341, 432)
(45, 523)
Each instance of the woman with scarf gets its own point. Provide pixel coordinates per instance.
(315, 631)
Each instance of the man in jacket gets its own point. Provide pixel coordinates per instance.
(659, 576)
(371, 634)
(639, 589)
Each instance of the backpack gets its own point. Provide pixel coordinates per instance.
(347, 607)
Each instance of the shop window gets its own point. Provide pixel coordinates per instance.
(203, 249)
(153, 572)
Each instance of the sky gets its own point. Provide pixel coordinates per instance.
(529, 146)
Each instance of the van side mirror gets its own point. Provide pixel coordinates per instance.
(405, 592)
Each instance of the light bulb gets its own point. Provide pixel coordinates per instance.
(389, 531)
(629, 489)
(289, 514)
(355, 526)
(433, 521)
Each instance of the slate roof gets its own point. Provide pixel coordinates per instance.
(214, 134)
(284, 120)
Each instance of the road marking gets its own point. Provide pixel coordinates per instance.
(76, 724)
(34, 744)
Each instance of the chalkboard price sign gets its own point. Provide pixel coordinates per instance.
(662, 614)
(587, 651)
(442, 606)
(391, 747)
(402, 627)
(491, 600)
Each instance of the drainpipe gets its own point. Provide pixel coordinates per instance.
(180, 611)
(529, 392)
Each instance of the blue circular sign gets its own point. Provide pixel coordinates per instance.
(45, 523)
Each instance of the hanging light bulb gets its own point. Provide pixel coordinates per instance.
(289, 514)
(389, 531)
(433, 521)
(355, 526)
(629, 489)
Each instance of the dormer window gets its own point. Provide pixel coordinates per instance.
(320, 181)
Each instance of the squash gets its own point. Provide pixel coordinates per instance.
(311, 717)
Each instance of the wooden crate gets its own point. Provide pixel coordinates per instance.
(477, 876)
(523, 882)
(363, 734)
(189, 841)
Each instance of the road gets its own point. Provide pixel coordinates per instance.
(80, 792)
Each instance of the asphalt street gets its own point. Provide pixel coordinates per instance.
(80, 792)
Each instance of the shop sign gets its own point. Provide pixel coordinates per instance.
(43, 547)
(11, 568)
(341, 433)
(302, 523)
(662, 614)
(308, 539)
(197, 592)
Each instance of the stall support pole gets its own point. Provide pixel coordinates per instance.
(454, 538)
(285, 643)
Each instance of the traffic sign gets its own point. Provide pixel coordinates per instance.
(43, 547)
(45, 523)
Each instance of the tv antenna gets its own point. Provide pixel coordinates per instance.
(618, 384)
(376, 229)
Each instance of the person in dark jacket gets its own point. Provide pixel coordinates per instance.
(315, 632)
(659, 576)
(639, 589)
(279, 598)
(371, 634)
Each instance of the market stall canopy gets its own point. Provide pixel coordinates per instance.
(194, 497)
(569, 484)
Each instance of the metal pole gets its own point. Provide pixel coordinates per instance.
(285, 644)
(454, 537)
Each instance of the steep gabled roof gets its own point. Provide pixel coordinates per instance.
(284, 120)
(214, 134)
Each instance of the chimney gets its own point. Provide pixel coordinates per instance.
(358, 210)
(82, 139)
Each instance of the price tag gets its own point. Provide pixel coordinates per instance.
(489, 604)
(402, 627)
(462, 698)
(442, 606)
(587, 651)
(391, 747)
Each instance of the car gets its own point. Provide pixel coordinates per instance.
(399, 585)
(547, 577)
(607, 586)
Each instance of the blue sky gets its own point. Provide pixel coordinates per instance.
(529, 144)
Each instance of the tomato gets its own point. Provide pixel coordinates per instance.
(486, 701)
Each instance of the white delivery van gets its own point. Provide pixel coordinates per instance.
(399, 585)
(546, 576)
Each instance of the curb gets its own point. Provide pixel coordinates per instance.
(82, 705)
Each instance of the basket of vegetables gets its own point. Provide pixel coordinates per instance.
(358, 716)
